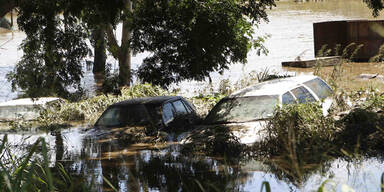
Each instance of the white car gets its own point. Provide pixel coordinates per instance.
(245, 112)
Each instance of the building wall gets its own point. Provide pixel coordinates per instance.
(368, 33)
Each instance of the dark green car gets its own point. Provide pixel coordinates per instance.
(159, 113)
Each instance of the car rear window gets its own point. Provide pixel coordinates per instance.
(319, 87)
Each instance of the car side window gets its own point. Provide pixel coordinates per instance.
(167, 113)
(303, 95)
(180, 108)
(288, 98)
(319, 87)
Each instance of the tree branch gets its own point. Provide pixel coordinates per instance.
(6, 6)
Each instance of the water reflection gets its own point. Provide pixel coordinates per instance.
(143, 167)
(149, 167)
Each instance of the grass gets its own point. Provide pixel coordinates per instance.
(301, 140)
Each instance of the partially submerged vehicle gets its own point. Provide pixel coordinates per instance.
(162, 113)
(25, 108)
(246, 112)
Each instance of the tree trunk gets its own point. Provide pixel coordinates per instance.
(100, 54)
(125, 51)
(49, 53)
(6, 6)
(122, 52)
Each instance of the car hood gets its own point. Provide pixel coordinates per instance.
(247, 133)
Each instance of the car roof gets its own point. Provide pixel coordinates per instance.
(273, 87)
(147, 100)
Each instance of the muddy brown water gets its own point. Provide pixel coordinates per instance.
(143, 167)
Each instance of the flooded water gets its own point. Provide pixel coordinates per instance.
(142, 167)
(148, 167)
(290, 30)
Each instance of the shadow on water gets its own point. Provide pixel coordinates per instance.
(138, 167)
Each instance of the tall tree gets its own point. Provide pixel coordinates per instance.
(53, 50)
(122, 52)
(188, 39)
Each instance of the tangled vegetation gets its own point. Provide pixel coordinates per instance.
(90, 109)
(216, 141)
(302, 140)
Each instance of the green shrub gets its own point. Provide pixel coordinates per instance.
(363, 132)
(298, 140)
(298, 126)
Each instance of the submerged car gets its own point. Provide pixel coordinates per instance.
(247, 110)
(156, 113)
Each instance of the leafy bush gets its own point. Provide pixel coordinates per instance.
(205, 103)
(297, 139)
(298, 126)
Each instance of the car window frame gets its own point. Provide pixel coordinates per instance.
(190, 110)
(175, 109)
(294, 97)
(306, 88)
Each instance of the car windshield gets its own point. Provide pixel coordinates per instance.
(243, 109)
(128, 115)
